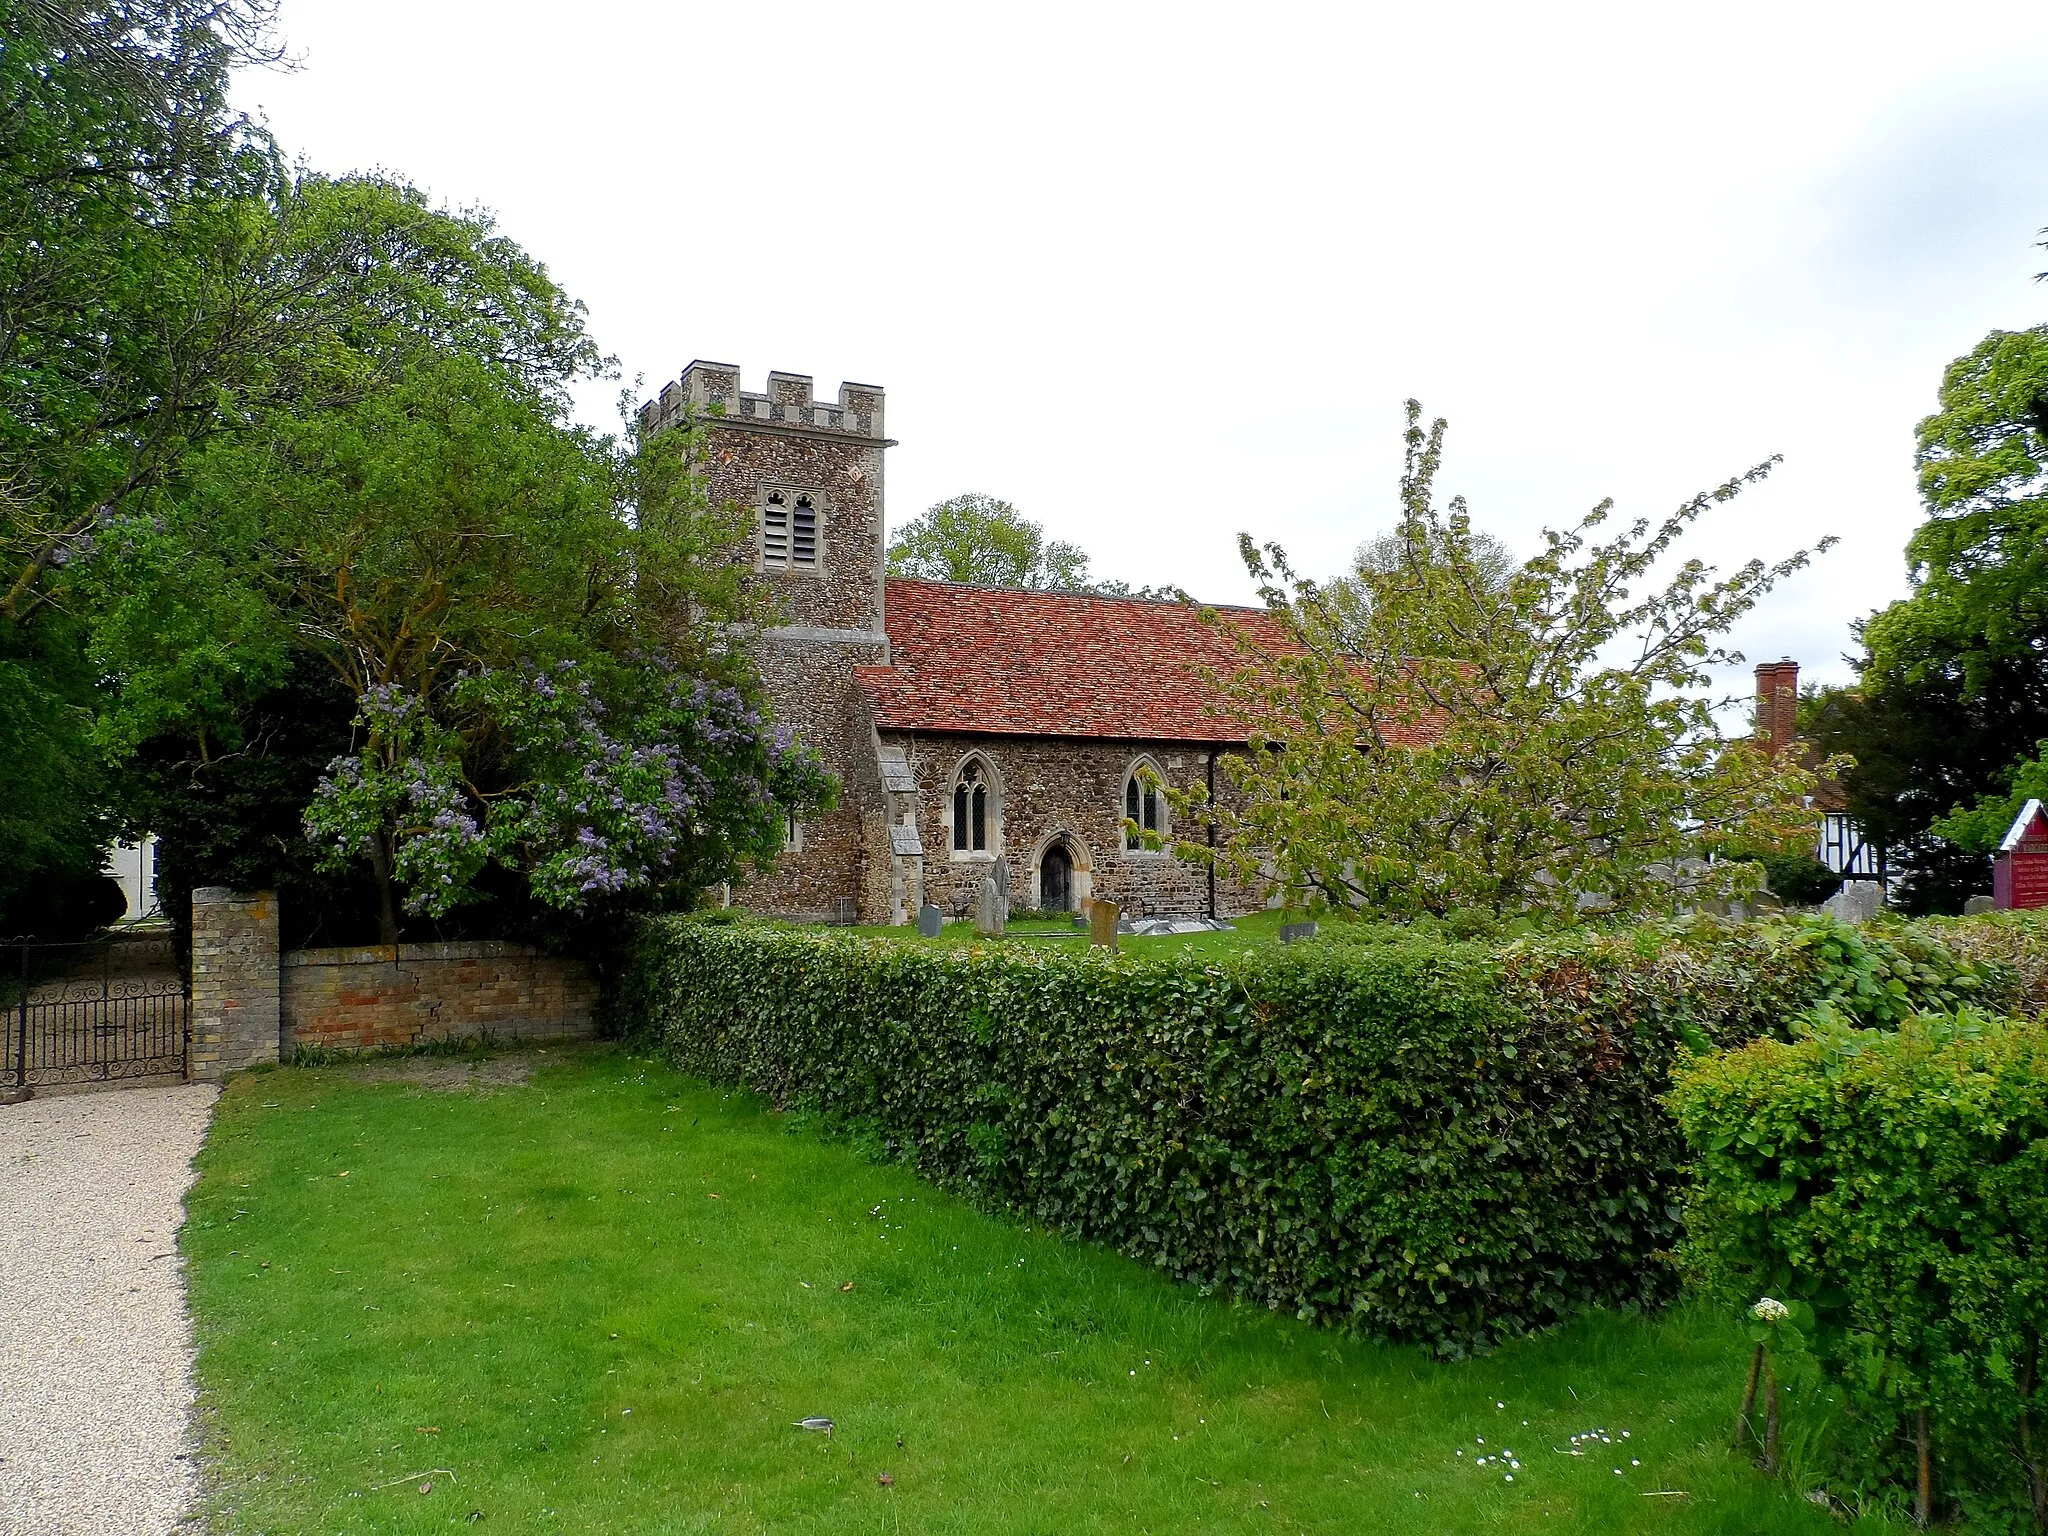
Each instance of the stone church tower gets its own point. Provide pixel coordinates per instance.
(810, 474)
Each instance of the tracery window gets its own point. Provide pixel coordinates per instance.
(1144, 805)
(973, 808)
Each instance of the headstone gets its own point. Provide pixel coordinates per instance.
(930, 920)
(1000, 873)
(989, 914)
(1858, 901)
(1103, 916)
(1978, 904)
(1291, 932)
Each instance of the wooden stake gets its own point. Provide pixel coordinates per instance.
(1770, 1420)
(1923, 1495)
(2030, 1458)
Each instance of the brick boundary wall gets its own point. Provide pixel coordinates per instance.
(362, 999)
(251, 1004)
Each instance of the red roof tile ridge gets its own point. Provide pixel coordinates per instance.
(1081, 593)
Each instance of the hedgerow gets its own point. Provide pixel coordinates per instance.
(2013, 942)
(1439, 1141)
(1895, 1182)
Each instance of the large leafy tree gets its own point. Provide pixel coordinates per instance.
(1445, 734)
(1945, 724)
(528, 620)
(123, 177)
(983, 540)
(1980, 561)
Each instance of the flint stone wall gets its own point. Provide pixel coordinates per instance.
(1070, 791)
(823, 622)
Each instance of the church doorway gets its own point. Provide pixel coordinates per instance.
(1056, 879)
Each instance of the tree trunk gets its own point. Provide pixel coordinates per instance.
(387, 905)
(1923, 1493)
(1756, 1375)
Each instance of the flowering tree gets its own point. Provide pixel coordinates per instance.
(534, 622)
(666, 786)
(1440, 732)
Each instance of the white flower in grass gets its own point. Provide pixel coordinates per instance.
(1769, 1311)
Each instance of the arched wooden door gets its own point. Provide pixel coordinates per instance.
(1056, 879)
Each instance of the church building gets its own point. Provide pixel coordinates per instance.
(967, 725)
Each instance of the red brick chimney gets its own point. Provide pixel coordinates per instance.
(1777, 702)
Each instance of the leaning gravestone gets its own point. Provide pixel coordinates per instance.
(990, 913)
(930, 920)
(1103, 917)
(1293, 932)
(999, 872)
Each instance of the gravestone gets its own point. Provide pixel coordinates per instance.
(1858, 901)
(1977, 904)
(989, 912)
(930, 920)
(999, 872)
(1103, 917)
(1290, 932)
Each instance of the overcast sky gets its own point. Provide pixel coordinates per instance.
(1161, 273)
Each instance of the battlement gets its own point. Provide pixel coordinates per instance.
(713, 389)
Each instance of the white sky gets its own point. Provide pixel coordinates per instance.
(1158, 273)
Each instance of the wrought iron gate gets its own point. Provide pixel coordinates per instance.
(101, 1010)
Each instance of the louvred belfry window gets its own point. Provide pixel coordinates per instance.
(803, 535)
(775, 533)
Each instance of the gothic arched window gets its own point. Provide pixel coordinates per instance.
(1144, 804)
(974, 809)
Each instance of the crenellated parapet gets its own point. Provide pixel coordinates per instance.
(713, 390)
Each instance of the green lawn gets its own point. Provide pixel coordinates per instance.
(598, 1301)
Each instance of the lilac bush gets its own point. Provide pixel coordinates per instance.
(595, 781)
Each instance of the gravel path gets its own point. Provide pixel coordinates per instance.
(95, 1344)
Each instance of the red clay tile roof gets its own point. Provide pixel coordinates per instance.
(996, 661)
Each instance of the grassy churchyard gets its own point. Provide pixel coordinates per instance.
(1259, 930)
(571, 1290)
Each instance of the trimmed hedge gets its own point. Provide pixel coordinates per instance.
(1445, 1142)
(1897, 1182)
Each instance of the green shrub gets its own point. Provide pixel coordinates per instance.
(1446, 1142)
(1897, 1182)
(2015, 943)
